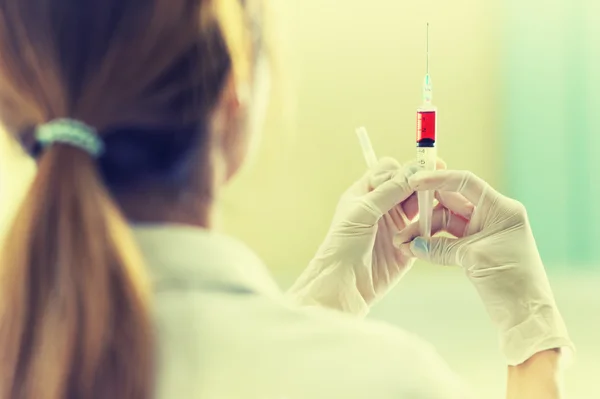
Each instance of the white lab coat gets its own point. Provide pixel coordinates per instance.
(225, 331)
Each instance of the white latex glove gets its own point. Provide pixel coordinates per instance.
(499, 254)
(358, 263)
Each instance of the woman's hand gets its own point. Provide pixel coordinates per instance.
(358, 263)
(496, 248)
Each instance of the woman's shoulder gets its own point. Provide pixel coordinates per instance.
(277, 346)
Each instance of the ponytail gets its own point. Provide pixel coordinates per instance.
(74, 298)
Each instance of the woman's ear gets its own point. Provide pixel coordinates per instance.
(229, 126)
(230, 99)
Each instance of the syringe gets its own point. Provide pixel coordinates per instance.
(426, 151)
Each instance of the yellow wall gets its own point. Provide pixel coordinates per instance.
(354, 63)
(16, 171)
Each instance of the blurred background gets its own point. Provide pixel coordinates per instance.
(515, 82)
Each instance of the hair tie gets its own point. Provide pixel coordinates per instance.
(71, 132)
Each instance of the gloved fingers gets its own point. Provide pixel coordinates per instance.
(396, 218)
(410, 206)
(412, 167)
(440, 164)
(388, 167)
(459, 181)
(389, 194)
(440, 250)
(388, 186)
(387, 164)
(384, 170)
(456, 203)
(450, 223)
(443, 220)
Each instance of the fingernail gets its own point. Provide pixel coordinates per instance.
(420, 246)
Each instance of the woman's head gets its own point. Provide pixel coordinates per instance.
(166, 84)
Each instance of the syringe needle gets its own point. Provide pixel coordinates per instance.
(427, 89)
(427, 62)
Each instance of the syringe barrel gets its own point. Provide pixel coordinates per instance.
(426, 123)
(426, 159)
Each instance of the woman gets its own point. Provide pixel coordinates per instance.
(136, 112)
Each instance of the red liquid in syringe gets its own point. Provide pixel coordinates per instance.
(426, 126)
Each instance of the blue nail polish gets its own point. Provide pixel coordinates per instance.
(420, 245)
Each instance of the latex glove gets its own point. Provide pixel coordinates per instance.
(499, 254)
(357, 263)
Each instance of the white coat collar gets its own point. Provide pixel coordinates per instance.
(189, 258)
